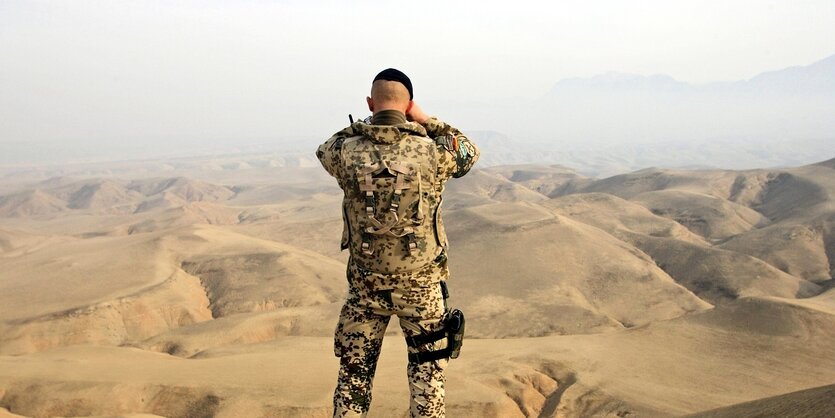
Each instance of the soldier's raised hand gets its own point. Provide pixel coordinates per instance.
(414, 113)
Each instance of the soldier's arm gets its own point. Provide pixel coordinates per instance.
(462, 153)
(328, 157)
(329, 154)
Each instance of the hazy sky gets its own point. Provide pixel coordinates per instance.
(130, 70)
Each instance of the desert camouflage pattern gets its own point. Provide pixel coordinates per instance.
(393, 177)
(416, 299)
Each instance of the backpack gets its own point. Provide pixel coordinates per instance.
(392, 197)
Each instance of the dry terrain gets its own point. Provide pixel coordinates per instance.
(210, 287)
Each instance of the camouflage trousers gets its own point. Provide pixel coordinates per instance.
(373, 298)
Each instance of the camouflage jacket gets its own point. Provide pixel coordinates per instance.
(393, 178)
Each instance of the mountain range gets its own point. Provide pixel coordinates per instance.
(615, 122)
(602, 125)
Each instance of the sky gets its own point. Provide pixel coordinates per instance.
(132, 71)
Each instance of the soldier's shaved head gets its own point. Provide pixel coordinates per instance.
(392, 74)
(388, 95)
(389, 91)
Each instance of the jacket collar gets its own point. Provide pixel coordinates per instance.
(388, 134)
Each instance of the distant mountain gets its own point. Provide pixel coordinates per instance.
(607, 124)
(615, 122)
(613, 81)
(816, 79)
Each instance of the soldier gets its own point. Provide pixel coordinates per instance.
(393, 170)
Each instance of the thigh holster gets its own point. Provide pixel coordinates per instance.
(452, 328)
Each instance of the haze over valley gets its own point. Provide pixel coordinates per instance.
(603, 125)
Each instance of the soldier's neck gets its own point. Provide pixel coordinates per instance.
(388, 117)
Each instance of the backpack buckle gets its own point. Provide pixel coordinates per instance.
(370, 203)
(366, 245)
(411, 243)
(395, 201)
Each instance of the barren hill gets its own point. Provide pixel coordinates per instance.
(708, 216)
(591, 281)
(620, 217)
(483, 187)
(650, 294)
(789, 194)
(803, 251)
(549, 180)
(187, 189)
(809, 403)
(30, 203)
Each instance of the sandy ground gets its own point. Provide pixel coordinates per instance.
(652, 294)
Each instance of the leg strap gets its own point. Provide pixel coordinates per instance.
(447, 331)
(419, 340)
(424, 356)
(452, 330)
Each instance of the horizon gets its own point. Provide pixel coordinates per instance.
(107, 81)
(633, 204)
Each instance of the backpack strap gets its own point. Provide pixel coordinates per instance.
(400, 184)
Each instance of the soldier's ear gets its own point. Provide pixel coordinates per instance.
(409, 107)
(370, 103)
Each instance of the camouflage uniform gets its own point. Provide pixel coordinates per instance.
(397, 262)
